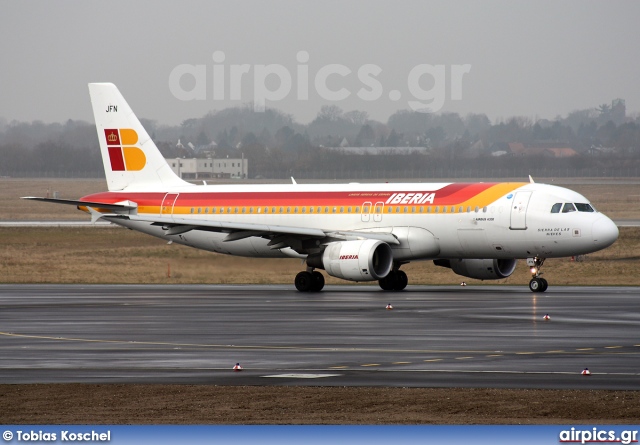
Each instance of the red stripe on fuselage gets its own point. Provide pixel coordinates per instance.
(449, 195)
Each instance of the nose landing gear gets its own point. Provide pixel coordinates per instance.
(537, 283)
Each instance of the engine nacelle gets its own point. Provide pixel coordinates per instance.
(362, 260)
(480, 269)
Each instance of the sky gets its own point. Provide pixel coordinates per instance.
(178, 60)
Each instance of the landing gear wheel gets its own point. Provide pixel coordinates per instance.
(544, 283)
(318, 281)
(538, 285)
(401, 280)
(396, 280)
(304, 281)
(387, 282)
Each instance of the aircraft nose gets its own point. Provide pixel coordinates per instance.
(604, 232)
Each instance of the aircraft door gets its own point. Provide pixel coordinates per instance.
(366, 211)
(519, 210)
(166, 209)
(377, 211)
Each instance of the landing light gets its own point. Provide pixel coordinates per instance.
(534, 270)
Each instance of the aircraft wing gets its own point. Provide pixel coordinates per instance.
(281, 236)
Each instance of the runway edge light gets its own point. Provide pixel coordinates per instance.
(389, 307)
(546, 317)
(237, 367)
(586, 371)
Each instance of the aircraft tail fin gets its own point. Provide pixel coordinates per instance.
(130, 157)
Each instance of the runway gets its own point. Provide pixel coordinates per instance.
(435, 336)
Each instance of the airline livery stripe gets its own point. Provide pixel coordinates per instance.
(474, 195)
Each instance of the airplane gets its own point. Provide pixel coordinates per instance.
(357, 232)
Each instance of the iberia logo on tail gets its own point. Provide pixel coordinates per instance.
(123, 153)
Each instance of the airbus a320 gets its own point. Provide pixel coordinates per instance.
(357, 232)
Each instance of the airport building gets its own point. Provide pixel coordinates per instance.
(195, 168)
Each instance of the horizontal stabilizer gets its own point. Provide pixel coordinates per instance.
(100, 205)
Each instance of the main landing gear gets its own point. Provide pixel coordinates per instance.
(309, 281)
(396, 280)
(537, 283)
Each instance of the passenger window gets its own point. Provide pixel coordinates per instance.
(199, 209)
(584, 207)
(191, 209)
(206, 210)
(358, 210)
(365, 209)
(568, 207)
(556, 207)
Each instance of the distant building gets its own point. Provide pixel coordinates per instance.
(194, 168)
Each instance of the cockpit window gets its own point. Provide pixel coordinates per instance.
(556, 207)
(584, 207)
(568, 207)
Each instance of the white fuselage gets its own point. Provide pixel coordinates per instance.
(495, 221)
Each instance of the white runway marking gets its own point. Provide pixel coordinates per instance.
(301, 376)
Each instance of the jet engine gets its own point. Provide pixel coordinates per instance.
(480, 269)
(362, 260)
